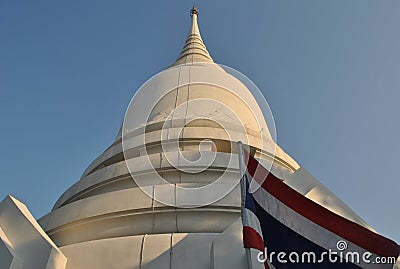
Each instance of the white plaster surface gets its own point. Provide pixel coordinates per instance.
(23, 240)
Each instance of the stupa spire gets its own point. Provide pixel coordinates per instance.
(194, 49)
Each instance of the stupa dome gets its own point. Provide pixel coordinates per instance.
(143, 200)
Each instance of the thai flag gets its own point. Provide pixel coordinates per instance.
(295, 232)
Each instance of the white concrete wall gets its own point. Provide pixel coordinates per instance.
(8, 259)
(158, 251)
(23, 242)
(227, 249)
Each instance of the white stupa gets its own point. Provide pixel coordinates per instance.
(105, 220)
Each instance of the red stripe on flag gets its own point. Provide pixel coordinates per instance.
(318, 214)
(252, 239)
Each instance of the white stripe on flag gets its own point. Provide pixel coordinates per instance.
(250, 219)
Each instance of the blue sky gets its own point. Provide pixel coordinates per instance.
(330, 71)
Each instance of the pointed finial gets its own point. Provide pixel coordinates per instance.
(194, 11)
(194, 49)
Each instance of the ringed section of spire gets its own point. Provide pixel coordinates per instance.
(194, 49)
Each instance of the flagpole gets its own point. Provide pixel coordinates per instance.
(241, 174)
(243, 193)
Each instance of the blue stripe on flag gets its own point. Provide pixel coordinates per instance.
(280, 238)
(249, 203)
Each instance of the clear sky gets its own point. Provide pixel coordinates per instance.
(330, 71)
